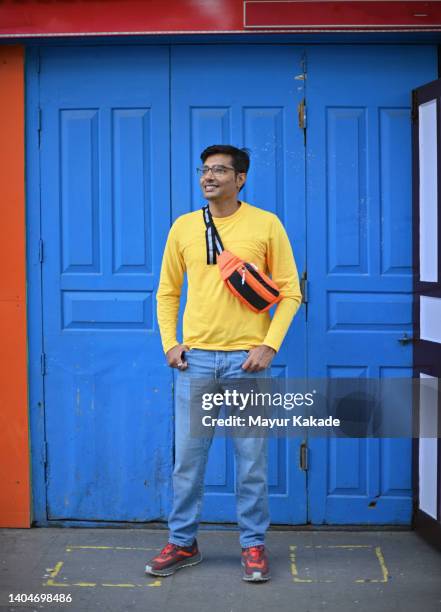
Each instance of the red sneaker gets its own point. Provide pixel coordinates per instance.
(255, 564)
(172, 557)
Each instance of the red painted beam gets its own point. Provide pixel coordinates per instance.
(343, 14)
(48, 17)
(89, 17)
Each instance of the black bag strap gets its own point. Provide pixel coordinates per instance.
(212, 239)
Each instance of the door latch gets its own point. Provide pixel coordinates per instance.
(303, 464)
(304, 287)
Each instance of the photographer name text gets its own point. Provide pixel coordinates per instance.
(268, 423)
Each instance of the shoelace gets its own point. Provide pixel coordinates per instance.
(168, 549)
(254, 551)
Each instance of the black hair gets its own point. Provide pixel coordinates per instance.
(240, 157)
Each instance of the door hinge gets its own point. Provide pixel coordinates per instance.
(40, 250)
(301, 112)
(45, 452)
(304, 287)
(43, 363)
(303, 463)
(39, 125)
(414, 111)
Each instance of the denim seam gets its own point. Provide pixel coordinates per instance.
(201, 485)
(172, 541)
(251, 545)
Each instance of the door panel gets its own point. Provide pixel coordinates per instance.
(359, 211)
(247, 96)
(105, 217)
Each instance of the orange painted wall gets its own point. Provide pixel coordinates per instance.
(15, 504)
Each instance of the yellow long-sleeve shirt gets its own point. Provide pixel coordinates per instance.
(214, 319)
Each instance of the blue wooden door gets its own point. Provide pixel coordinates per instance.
(360, 261)
(105, 211)
(108, 118)
(247, 96)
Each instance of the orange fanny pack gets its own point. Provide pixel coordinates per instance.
(253, 288)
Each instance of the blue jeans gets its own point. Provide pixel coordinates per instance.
(191, 455)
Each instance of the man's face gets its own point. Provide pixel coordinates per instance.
(222, 185)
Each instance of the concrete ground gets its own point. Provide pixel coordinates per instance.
(312, 571)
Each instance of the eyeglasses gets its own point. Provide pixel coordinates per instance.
(216, 170)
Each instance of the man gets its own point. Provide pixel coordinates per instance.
(222, 339)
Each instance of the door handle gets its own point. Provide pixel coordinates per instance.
(405, 339)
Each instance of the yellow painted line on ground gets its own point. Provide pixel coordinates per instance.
(350, 546)
(293, 560)
(156, 583)
(338, 546)
(117, 585)
(379, 555)
(382, 564)
(294, 571)
(56, 570)
(50, 582)
(384, 570)
(69, 548)
(53, 573)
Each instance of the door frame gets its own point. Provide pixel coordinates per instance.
(425, 352)
(34, 290)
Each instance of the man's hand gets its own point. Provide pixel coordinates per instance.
(258, 358)
(175, 357)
